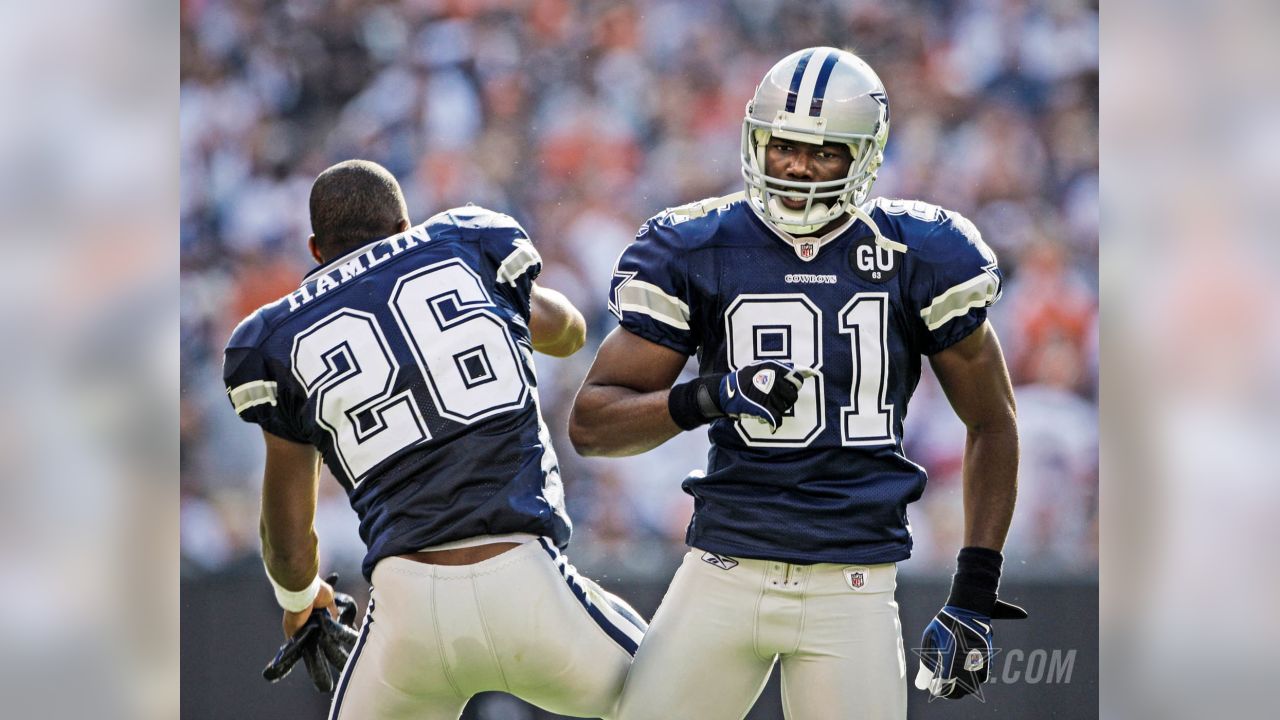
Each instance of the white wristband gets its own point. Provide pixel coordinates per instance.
(296, 600)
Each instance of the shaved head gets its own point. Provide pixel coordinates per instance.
(354, 203)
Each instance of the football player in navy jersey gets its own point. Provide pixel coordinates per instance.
(809, 307)
(404, 361)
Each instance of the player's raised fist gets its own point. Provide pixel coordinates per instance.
(764, 390)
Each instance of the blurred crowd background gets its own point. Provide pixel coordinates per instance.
(582, 119)
(89, 180)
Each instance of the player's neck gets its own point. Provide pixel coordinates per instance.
(820, 236)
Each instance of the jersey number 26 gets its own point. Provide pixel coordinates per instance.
(463, 350)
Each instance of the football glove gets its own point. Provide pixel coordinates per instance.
(956, 650)
(763, 390)
(322, 643)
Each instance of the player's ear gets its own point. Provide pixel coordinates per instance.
(315, 251)
(402, 225)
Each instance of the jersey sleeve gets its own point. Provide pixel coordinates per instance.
(517, 262)
(649, 292)
(954, 283)
(253, 389)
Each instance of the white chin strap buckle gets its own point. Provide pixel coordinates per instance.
(817, 210)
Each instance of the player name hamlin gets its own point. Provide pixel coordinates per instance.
(377, 254)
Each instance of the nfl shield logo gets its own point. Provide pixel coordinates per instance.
(806, 250)
(763, 380)
(855, 578)
(974, 660)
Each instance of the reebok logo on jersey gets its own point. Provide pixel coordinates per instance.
(720, 561)
(764, 380)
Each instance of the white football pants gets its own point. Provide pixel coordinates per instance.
(725, 621)
(523, 622)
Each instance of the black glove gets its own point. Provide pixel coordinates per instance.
(764, 390)
(322, 643)
(956, 649)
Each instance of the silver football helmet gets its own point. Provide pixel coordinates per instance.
(817, 95)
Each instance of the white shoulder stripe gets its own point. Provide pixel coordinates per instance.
(960, 299)
(253, 393)
(673, 322)
(649, 299)
(518, 262)
(655, 294)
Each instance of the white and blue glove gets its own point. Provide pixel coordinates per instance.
(764, 390)
(956, 649)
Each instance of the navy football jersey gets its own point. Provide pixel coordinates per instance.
(408, 364)
(832, 484)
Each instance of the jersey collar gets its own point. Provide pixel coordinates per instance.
(331, 264)
(807, 247)
(328, 265)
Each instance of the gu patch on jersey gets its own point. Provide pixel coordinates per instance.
(720, 561)
(872, 262)
(855, 577)
(764, 380)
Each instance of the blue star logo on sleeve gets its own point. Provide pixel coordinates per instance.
(990, 269)
(620, 278)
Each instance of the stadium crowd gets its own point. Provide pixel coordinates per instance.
(581, 119)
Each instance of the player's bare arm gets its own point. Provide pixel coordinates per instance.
(392, 390)
(556, 327)
(621, 408)
(974, 377)
(289, 545)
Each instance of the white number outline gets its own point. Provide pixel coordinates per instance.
(918, 209)
(379, 404)
(854, 331)
(817, 379)
(383, 402)
(467, 312)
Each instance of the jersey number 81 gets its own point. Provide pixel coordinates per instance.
(788, 327)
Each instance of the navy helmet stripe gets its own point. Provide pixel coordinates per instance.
(820, 89)
(796, 77)
(336, 711)
(614, 632)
